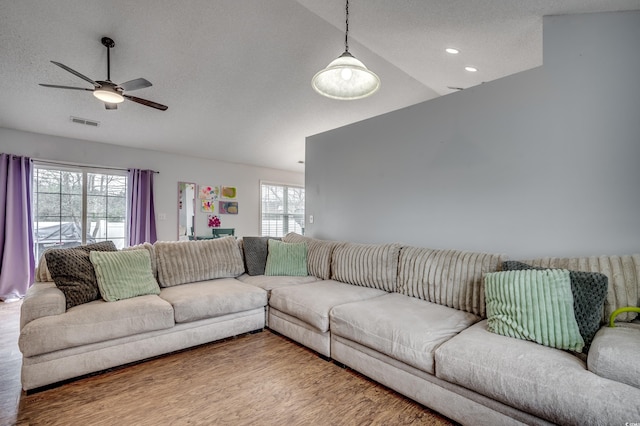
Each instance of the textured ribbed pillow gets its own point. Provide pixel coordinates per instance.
(318, 253)
(256, 250)
(534, 305)
(182, 262)
(42, 271)
(73, 273)
(286, 259)
(452, 278)
(367, 265)
(152, 255)
(124, 274)
(589, 291)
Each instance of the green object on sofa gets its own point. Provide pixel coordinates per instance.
(533, 305)
(287, 259)
(617, 312)
(124, 274)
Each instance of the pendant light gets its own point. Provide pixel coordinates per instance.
(346, 78)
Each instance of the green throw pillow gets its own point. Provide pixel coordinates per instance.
(288, 259)
(589, 294)
(533, 305)
(124, 274)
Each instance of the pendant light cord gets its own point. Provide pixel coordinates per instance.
(346, 33)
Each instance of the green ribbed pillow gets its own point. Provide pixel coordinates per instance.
(124, 274)
(289, 259)
(533, 305)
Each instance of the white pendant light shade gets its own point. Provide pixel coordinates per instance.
(346, 78)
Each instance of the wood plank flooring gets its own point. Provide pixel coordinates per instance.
(257, 379)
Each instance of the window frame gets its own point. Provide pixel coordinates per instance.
(85, 171)
(285, 229)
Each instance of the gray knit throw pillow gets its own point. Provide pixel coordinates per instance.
(73, 273)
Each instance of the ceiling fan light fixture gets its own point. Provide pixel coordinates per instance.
(346, 78)
(109, 95)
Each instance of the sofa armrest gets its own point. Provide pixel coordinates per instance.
(614, 354)
(42, 300)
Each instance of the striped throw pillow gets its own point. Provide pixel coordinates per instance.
(124, 274)
(534, 305)
(287, 259)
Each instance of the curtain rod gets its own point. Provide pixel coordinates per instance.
(62, 163)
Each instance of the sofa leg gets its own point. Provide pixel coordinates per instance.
(260, 330)
(339, 364)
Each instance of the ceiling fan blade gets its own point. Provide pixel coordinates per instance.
(138, 83)
(76, 73)
(107, 105)
(146, 102)
(65, 87)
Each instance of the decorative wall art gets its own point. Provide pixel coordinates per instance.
(208, 205)
(208, 192)
(228, 192)
(213, 221)
(228, 207)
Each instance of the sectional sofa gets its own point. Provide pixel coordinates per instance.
(421, 321)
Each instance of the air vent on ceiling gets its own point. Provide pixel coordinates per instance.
(85, 121)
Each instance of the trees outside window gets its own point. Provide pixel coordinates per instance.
(74, 206)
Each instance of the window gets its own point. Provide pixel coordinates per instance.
(77, 205)
(282, 209)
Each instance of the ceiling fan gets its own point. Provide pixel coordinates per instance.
(107, 91)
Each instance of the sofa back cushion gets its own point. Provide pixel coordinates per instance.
(623, 273)
(367, 265)
(181, 262)
(152, 254)
(451, 278)
(318, 254)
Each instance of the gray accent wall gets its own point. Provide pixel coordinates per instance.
(541, 163)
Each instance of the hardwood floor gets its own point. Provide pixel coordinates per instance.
(256, 379)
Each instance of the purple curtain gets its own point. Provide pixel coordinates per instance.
(142, 218)
(17, 262)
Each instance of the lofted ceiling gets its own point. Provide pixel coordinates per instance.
(236, 75)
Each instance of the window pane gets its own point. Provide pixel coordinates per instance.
(58, 211)
(282, 210)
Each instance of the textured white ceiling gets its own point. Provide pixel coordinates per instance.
(236, 74)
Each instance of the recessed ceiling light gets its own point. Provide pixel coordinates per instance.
(452, 50)
(471, 69)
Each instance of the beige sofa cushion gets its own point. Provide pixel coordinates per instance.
(181, 262)
(318, 254)
(614, 355)
(366, 265)
(549, 383)
(215, 298)
(268, 283)
(312, 302)
(623, 273)
(93, 322)
(447, 277)
(376, 323)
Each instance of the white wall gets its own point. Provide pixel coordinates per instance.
(541, 163)
(172, 168)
